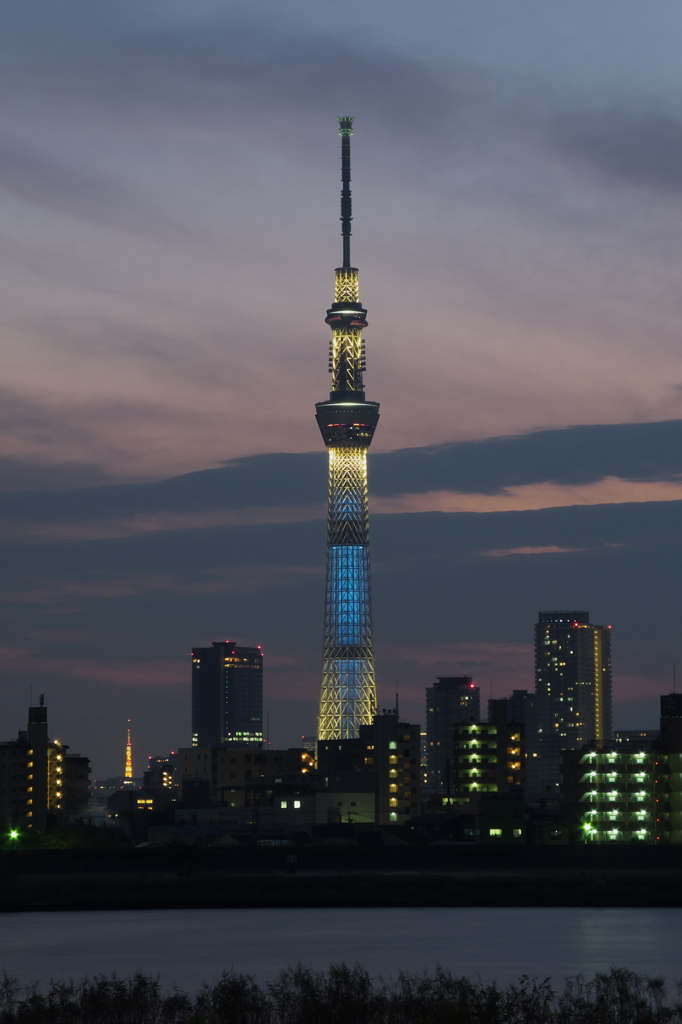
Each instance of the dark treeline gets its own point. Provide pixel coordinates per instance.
(343, 995)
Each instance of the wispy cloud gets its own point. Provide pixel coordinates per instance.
(610, 490)
(236, 579)
(97, 198)
(639, 145)
(551, 468)
(548, 549)
(170, 522)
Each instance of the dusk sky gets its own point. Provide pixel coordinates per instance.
(169, 182)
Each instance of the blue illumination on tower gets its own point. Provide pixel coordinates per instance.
(348, 595)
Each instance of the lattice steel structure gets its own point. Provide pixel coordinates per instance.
(129, 756)
(347, 422)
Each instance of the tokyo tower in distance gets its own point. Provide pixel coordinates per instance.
(348, 692)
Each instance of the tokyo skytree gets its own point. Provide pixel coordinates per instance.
(347, 422)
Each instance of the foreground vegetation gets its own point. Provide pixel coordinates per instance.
(343, 995)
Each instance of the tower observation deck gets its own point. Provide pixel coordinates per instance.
(347, 423)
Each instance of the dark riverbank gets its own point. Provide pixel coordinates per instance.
(184, 878)
(565, 889)
(196, 887)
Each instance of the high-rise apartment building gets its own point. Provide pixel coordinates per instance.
(392, 751)
(227, 695)
(450, 701)
(572, 689)
(39, 779)
(347, 422)
(521, 709)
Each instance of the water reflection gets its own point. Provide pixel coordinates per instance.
(189, 947)
(610, 938)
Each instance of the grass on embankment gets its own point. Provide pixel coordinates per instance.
(343, 995)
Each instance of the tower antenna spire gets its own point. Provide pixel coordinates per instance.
(345, 131)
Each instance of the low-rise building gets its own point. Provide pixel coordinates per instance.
(635, 739)
(610, 795)
(389, 750)
(344, 798)
(234, 774)
(161, 771)
(488, 757)
(501, 819)
(628, 793)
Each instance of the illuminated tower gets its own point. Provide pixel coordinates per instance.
(347, 423)
(129, 756)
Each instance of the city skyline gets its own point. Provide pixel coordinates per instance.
(168, 184)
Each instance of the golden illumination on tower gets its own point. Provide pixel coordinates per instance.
(129, 756)
(347, 285)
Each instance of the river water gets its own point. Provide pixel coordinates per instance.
(188, 947)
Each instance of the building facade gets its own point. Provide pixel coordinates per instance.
(347, 423)
(227, 695)
(450, 701)
(572, 689)
(628, 793)
(387, 752)
(488, 757)
(635, 739)
(235, 776)
(610, 795)
(39, 780)
(161, 771)
(392, 751)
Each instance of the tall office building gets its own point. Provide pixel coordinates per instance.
(449, 702)
(227, 695)
(347, 423)
(572, 688)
